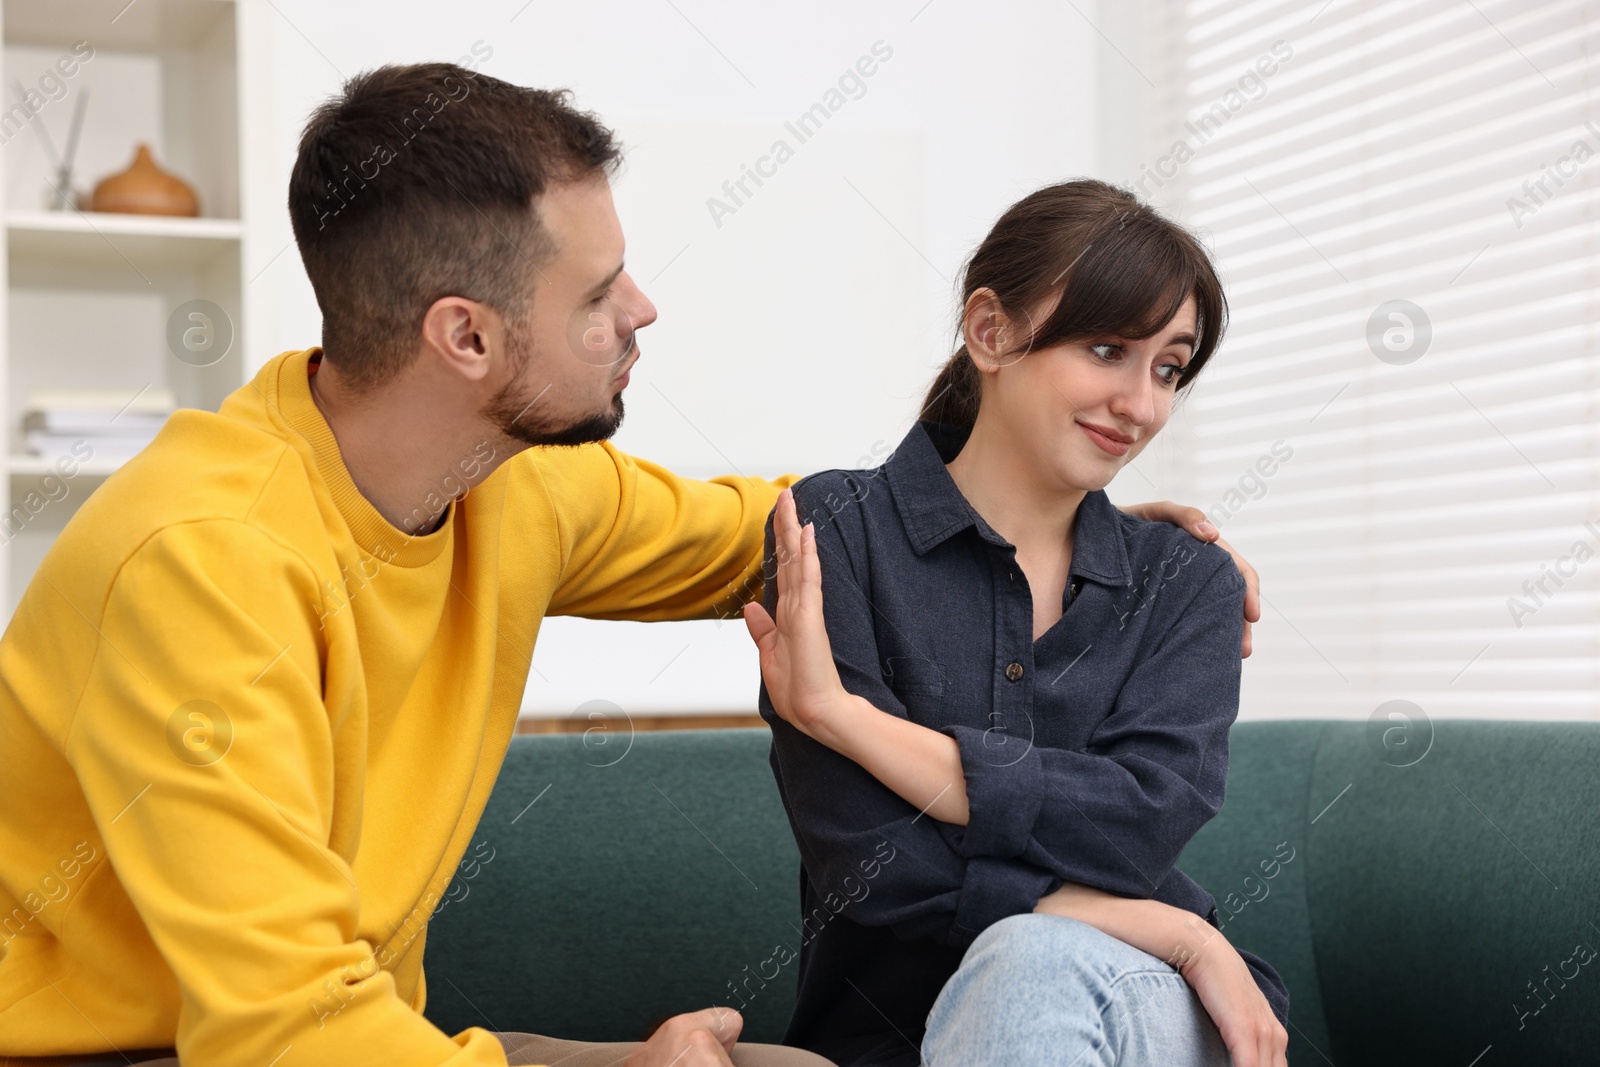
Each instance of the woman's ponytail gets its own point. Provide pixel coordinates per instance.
(953, 396)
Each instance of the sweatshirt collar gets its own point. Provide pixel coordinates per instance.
(288, 389)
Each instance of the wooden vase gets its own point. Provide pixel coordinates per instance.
(145, 189)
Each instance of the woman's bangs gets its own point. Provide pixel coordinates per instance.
(1128, 284)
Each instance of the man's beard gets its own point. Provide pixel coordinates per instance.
(519, 418)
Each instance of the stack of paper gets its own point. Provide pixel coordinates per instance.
(115, 423)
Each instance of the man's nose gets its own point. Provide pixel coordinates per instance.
(640, 311)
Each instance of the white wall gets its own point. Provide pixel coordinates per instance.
(800, 333)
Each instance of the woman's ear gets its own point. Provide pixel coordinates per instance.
(992, 338)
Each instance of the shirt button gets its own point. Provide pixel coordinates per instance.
(1014, 671)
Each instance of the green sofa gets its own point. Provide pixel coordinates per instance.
(1432, 910)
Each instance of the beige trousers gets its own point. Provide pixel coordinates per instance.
(555, 1052)
(520, 1049)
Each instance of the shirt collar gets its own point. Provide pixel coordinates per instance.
(933, 509)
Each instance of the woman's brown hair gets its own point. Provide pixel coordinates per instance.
(1122, 269)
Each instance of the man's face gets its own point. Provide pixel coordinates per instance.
(571, 351)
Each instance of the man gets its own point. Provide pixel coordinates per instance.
(255, 699)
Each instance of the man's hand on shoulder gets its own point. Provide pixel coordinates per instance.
(1194, 520)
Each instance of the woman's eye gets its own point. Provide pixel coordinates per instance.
(1105, 351)
(1170, 378)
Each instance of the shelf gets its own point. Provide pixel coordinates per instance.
(99, 239)
(144, 25)
(22, 465)
(114, 223)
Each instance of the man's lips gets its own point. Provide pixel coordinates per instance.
(622, 379)
(1109, 440)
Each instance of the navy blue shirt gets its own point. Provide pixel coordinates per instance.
(1091, 755)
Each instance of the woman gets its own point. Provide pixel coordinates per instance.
(1000, 707)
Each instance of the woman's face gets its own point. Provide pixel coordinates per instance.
(1082, 410)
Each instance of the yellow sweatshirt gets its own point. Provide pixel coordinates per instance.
(247, 726)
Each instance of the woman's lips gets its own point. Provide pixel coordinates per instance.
(1115, 448)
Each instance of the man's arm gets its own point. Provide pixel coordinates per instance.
(203, 746)
(638, 542)
(641, 543)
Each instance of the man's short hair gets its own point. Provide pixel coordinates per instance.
(417, 182)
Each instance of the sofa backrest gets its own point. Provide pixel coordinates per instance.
(630, 880)
(1426, 896)
(1442, 899)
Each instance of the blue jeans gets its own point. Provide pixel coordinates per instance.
(1044, 989)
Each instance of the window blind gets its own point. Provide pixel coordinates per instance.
(1402, 429)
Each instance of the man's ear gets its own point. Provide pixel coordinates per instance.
(461, 333)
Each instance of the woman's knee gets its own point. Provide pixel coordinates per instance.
(1045, 963)
(1045, 946)
(1032, 982)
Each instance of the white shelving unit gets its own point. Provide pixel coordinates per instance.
(88, 295)
(102, 240)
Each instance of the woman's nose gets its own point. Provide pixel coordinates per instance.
(1134, 400)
